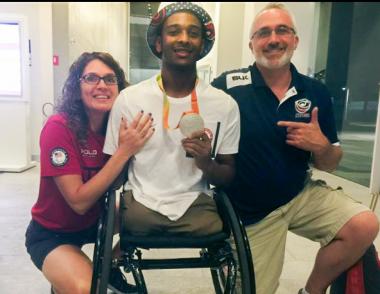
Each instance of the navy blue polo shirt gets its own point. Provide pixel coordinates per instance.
(271, 173)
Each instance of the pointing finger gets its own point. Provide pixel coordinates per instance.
(290, 124)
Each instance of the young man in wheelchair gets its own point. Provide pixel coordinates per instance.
(168, 179)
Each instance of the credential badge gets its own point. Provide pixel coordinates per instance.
(59, 157)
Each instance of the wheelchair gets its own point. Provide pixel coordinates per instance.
(215, 251)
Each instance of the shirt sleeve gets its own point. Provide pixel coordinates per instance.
(230, 143)
(112, 136)
(59, 151)
(326, 116)
(220, 82)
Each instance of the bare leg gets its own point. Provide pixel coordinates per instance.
(69, 270)
(348, 246)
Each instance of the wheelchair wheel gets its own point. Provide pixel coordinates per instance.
(103, 247)
(224, 277)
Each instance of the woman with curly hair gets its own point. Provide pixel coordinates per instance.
(75, 172)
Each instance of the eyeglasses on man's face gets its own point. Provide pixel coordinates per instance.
(94, 79)
(281, 30)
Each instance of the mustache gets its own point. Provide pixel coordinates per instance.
(183, 47)
(273, 46)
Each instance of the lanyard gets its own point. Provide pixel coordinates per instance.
(166, 105)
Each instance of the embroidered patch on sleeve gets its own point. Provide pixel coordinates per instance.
(59, 157)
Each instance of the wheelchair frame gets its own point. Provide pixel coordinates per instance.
(216, 252)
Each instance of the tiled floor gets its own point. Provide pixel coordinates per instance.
(18, 275)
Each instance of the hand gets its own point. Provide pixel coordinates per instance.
(134, 135)
(199, 146)
(306, 136)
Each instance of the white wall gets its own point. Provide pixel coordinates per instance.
(98, 26)
(210, 61)
(60, 24)
(42, 84)
(306, 15)
(230, 32)
(80, 27)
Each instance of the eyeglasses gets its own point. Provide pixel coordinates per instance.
(267, 32)
(93, 79)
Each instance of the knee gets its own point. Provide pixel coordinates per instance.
(363, 227)
(78, 287)
(82, 288)
(372, 224)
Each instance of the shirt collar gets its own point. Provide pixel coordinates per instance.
(258, 80)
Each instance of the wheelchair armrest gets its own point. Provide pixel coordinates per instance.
(224, 207)
(226, 211)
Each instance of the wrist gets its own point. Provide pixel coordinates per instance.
(122, 155)
(207, 165)
(324, 149)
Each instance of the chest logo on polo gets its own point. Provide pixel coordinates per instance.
(59, 157)
(238, 79)
(302, 107)
(88, 153)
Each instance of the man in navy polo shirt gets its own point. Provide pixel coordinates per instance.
(287, 122)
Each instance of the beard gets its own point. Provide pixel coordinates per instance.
(274, 63)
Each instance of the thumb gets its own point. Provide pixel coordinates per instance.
(314, 116)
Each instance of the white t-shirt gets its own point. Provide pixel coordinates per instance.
(160, 175)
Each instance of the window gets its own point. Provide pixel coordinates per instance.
(10, 59)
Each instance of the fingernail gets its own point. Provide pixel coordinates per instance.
(153, 129)
(151, 119)
(150, 114)
(142, 111)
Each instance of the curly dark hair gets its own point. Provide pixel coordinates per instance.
(71, 104)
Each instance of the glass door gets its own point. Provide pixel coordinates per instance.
(352, 75)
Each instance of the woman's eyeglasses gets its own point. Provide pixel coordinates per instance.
(94, 79)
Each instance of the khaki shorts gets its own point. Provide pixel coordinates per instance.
(200, 219)
(317, 213)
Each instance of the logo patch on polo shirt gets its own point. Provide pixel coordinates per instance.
(88, 153)
(238, 79)
(59, 157)
(302, 107)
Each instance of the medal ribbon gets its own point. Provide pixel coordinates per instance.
(166, 104)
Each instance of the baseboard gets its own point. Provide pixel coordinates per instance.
(17, 169)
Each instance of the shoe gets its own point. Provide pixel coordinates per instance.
(118, 283)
